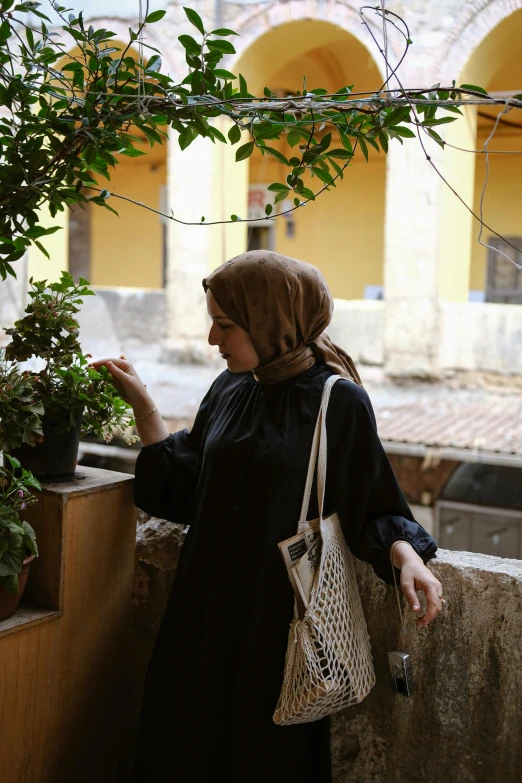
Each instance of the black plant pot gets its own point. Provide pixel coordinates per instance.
(56, 455)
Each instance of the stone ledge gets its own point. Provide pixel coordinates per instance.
(463, 721)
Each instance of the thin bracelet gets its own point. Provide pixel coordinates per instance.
(137, 418)
(393, 546)
(395, 583)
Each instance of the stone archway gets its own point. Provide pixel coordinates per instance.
(490, 38)
(342, 232)
(475, 23)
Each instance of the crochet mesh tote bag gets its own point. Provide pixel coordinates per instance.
(328, 663)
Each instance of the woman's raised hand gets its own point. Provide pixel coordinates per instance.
(151, 427)
(125, 379)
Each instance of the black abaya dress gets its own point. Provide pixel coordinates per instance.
(238, 480)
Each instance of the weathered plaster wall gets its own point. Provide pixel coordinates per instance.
(464, 722)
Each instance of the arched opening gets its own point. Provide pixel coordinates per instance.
(491, 273)
(342, 232)
(495, 65)
(111, 251)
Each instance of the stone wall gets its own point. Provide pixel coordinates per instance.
(357, 326)
(463, 723)
(481, 337)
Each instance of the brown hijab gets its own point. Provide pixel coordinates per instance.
(285, 306)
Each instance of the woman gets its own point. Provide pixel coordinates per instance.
(238, 479)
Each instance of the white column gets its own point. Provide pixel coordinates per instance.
(189, 248)
(411, 266)
(13, 297)
(202, 181)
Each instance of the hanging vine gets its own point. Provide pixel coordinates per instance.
(68, 114)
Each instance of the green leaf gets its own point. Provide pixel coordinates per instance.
(223, 31)
(222, 74)
(337, 168)
(281, 158)
(12, 559)
(346, 142)
(15, 463)
(243, 90)
(194, 19)
(154, 64)
(372, 141)
(454, 109)
(190, 44)
(294, 137)
(245, 151)
(364, 148)
(225, 47)
(42, 249)
(439, 121)
(234, 218)
(276, 186)
(10, 583)
(30, 538)
(268, 209)
(234, 134)
(473, 87)
(307, 193)
(186, 138)
(39, 231)
(282, 195)
(435, 136)
(397, 115)
(341, 154)
(216, 134)
(407, 133)
(155, 16)
(323, 175)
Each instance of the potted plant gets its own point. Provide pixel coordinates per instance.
(17, 539)
(64, 400)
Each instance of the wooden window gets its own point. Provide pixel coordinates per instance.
(504, 280)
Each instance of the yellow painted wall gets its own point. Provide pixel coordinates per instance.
(128, 250)
(503, 197)
(229, 197)
(495, 65)
(342, 232)
(125, 251)
(456, 222)
(502, 203)
(40, 267)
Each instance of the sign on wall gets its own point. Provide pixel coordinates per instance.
(258, 197)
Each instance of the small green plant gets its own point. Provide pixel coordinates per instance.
(20, 409)
(66, 388)
(17, 538)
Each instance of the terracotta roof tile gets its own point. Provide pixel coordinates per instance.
(494, 426)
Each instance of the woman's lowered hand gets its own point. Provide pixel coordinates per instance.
(415, 576)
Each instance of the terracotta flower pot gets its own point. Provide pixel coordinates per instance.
(9, 601)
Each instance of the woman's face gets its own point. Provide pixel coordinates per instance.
(234, 343)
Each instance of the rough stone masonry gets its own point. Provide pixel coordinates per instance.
(464, 722)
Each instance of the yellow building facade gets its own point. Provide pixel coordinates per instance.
(391, 230)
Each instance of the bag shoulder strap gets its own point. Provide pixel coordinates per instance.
(318, 455)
